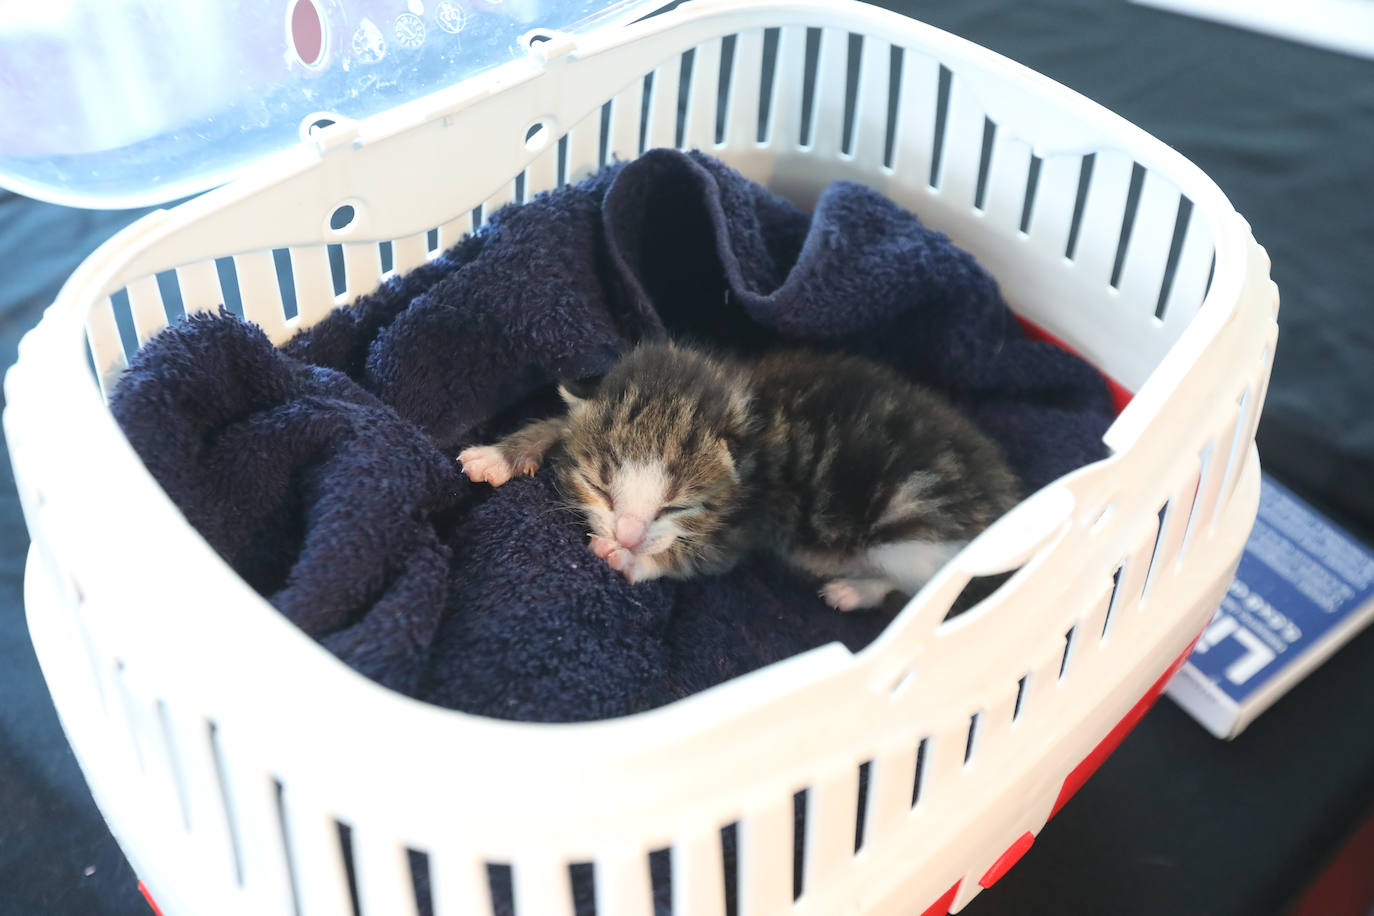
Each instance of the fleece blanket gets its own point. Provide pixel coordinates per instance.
(324, 471)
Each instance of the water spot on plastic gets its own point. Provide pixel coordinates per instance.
(452, 18)
(369, 46)
(409, 30)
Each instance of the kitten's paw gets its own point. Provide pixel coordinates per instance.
(633, 567)
(621, 560)
(525, 465)
(603, 547)
(854, 594)
(486, 464)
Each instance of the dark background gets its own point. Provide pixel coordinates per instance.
(1176, 822)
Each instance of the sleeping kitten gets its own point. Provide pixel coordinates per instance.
(685, 462)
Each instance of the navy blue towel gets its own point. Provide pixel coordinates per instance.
(323, 472)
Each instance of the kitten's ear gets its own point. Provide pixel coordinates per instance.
(576, 392)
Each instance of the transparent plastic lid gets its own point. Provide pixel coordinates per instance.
(123, 103)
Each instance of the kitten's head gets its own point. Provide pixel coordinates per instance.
(654, 449)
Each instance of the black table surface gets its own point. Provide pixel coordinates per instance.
(1175, 822)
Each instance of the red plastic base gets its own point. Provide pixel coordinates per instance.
(143, 889)
(1120, 396)
(941, 906)
(1009, 858)
(1079, 775)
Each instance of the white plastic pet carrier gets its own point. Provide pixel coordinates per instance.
(225, 748)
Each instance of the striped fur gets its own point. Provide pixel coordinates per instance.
(685, 462)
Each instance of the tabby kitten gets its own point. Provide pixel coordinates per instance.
(684, 462)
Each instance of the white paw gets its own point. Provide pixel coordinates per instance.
(633, 566)
(486, 464)
(853, 594)
(622, 561)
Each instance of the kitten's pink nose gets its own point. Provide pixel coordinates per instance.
(629, 531)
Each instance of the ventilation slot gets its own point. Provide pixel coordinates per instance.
(169, 288)
(345, 836)
(228, 276)
(972, 737)
(894, 96)
(225, 799)
(1112, 602)
(723, 77)
(865, 774)
(729, 845)
(286, 282)
(645, 104)
(684, 97)
(131, 706)
(1238, 443)
(1196, 510)
(1020, 697)
(1085, 176)
(603, 142)
(977, 590)
(1032, 182)
(771, 38)
(941, 112)
(337, 275)
(432, 236)
(124, 323)
(500, 882)
(801, 811)
(1127, 222)
(1185, 210)
(478, 217)
(918, 778)
(808, 99)
(1102, 518)
(520, 187)
(1163, 515)
(1068, 651)
(288, 845)
(582, 886)
(661, 876)
(851, 92)
(421, 881)
(386, 258)
(176, 764)
(980, 189)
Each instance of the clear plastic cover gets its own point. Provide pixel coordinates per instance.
(121, 103)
